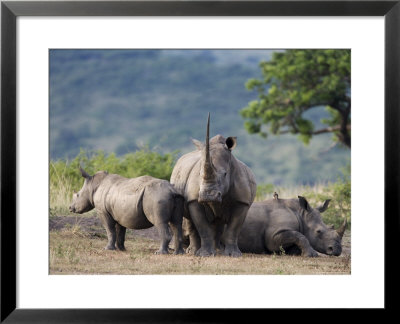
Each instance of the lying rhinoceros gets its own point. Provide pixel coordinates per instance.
(291, 224)
(218, 189)
(135, 203)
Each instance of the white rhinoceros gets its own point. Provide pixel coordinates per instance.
(218, 189)
(135, 203)
(291, 224)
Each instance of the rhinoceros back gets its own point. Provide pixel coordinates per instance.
(244, 185)
(185, 175)
(123, 199)
(276, 215)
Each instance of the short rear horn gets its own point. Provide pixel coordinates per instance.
(342, 228)
(84, 173)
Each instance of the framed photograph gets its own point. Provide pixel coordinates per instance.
(49, 49)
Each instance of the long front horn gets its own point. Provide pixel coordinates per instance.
(342, 228)
(208, 169)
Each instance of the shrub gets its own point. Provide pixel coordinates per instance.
(340, 195)
(263, 190)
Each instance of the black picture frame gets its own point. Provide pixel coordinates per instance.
(10, 10)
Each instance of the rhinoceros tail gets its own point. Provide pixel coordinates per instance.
(177, 213)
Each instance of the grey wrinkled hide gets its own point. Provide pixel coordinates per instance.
(291, 224)
(218, 189)
(135, 203)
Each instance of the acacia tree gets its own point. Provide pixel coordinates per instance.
(295, 81)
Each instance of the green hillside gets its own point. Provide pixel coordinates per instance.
(121, 100)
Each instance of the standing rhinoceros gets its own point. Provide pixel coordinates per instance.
(135, 203)
(218, 189)
(289, 223)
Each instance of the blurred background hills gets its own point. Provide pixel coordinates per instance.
(121, 100)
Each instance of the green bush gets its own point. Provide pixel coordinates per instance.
(263, 190)
(340, 195)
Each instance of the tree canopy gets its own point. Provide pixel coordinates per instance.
(295, 81)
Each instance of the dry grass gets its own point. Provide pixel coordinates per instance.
(293, 191)
(73, 251)
(61, 191)
(60, 196)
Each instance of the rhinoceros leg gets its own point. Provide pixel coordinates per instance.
(165, 235)
(177, 231)
(218, 236)
(193, 236)
(120, 230)
(159, 210)
(176, 225)
(109, 224)
(234, 225)
(195, 242)
(205, 229)
(288, 238)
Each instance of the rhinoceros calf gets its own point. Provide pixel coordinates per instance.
(135, 203)
(289, 224)
(218, 189)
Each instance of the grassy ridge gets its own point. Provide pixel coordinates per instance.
(118, 100)
(66, 178)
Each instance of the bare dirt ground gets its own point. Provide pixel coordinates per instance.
(77, 247)
(92, 225)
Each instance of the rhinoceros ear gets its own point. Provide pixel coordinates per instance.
(84, 173)
(324, 206)
(231, 142)
(304, 203)
(198, 144)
